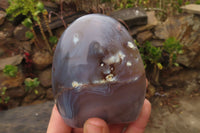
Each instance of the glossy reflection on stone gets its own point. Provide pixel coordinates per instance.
(98, 72)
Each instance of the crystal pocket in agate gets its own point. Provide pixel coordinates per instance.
(98, 72)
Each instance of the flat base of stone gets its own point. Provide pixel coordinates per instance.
(183, 119)
(26, 119)
(191, 8)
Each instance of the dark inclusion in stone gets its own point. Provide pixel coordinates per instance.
(98, 72)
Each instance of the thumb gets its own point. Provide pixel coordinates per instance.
(95, 125)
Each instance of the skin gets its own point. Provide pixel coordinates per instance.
(97, 125)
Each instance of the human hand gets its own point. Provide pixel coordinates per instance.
(96, 125)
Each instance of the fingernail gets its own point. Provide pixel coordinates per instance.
(91, 128)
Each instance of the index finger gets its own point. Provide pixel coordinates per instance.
(57, 124)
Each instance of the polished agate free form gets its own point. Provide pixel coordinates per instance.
(98, 72)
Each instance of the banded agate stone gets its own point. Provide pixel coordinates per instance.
(98, 72)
